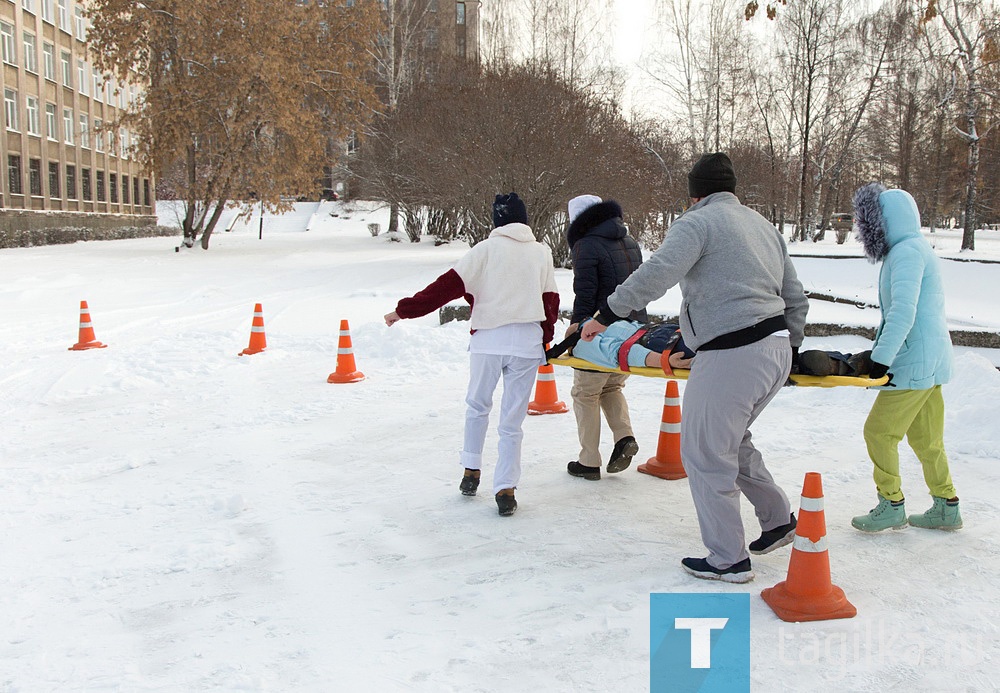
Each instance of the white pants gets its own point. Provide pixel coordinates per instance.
(484, 373)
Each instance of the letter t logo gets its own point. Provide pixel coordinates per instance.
(701, 638)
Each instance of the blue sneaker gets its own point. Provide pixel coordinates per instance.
(886, 515)
(943, 514)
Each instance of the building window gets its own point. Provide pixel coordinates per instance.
(54, 180)
(135, 189)
(51, 127)
(84, 131)
(67, 69)
(145, 192)
(100, 186)
(7, 39)
(460, 46)
(112, 151)
(35, 177)
(34, 117)
(81, 76)
(49, 61)
(68, 125)
(14, 174)
(10, 108)
(123, 141)
(85, 183)
(98, 135)
(113, 186)
(125, 190)
(460, 13)
(47, 10)
(81, 24)
(30, 54)
(98, 88)
(70, 182)
(28, 5)
(64, 15)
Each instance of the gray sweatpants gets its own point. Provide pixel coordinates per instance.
(726, 391)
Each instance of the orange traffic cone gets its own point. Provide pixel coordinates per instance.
(807, 593)
(87, 338)
(346, 371)
(667, 462)
(546, 398)
(258, 342)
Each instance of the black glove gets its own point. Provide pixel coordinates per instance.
(878, 370)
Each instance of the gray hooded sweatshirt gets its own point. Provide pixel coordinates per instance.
(733, 269)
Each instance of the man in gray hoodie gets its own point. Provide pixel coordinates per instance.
(743, 312)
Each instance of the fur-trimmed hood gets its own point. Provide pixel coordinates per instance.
(883, 218)
(592, 218)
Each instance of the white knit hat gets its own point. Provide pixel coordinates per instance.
(579, 204)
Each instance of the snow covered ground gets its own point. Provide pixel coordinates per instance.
(174, 517)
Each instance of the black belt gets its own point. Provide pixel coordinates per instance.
(748, 335)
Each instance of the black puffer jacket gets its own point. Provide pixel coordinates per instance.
(603, 256)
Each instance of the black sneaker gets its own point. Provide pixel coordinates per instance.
(701, 568)
(470, 482)
(506, 504)
(583, 471)
(774, 538)
(621, 456)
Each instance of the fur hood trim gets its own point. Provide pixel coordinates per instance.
(591, 217)
(869, 226)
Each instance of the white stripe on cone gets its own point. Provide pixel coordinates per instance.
(813, 505)
(808, 546)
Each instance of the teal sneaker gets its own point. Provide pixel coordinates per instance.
(943, 514)
(886, 515)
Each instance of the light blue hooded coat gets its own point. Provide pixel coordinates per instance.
(912, 338)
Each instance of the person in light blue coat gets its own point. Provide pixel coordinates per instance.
(913, 346)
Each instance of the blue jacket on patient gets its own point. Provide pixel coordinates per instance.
(603, 349)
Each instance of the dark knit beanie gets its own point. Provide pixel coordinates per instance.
(508, 209)
(711, 174)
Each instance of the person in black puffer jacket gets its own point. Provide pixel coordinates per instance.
(603, 256)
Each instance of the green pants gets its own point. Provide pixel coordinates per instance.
(919, 415)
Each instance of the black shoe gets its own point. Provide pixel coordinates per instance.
(506, 504)
(470, 482)
(701, 568)
(815, 362)
(861, 364)
(583, 471)
(774, 538)
(621, 456)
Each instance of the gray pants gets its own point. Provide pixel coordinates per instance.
(726, 391)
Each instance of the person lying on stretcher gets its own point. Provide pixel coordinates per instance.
(626, 344)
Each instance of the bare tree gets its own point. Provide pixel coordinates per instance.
(240, 96)
(973, 26)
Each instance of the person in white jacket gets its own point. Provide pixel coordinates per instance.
(509, 280)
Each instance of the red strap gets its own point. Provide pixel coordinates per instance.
(626, 345)
(665, 362)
